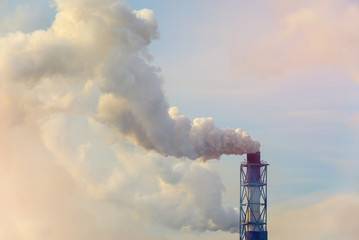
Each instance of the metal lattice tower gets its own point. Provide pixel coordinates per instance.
(253, 199)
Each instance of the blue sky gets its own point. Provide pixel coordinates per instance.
(284, 71)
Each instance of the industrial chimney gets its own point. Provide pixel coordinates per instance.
(253, 199)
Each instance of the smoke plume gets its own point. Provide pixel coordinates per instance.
(103, 42)
(64, 88)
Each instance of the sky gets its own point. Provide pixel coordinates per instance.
(113, 115)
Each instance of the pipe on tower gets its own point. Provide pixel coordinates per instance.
(253, 225)
(253, 179)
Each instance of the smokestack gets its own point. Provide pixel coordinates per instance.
(253, 199)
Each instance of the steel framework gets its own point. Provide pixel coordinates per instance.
(253, 200)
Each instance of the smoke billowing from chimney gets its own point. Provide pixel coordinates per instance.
(104, 43)
(92, 67)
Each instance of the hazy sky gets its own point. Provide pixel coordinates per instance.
(85, 87)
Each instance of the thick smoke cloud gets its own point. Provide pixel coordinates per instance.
(64, 90)
(137, 108)
(174, 198)
(105, 43)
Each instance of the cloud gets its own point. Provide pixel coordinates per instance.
(333, 218)
(24, 17)
(312, 34)
(42, 201)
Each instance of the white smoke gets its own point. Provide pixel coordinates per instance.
(92, 64)
(105, 41)
(175, 198)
